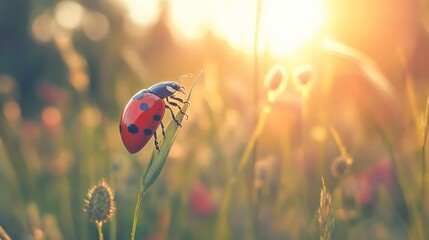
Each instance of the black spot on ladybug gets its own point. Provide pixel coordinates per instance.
(139, 95)
(147, 132)
(133, 129)
(156, 117)
(144, 107)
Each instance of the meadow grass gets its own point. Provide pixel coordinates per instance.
(243, 167)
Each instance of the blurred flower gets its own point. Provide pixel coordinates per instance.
(340, 165)
(364, 192)
(12, 111)
(382, 172)
(303, 78)
(51, 118)
(51, 93)
(99, 203)
(275, 82)
(200, 200)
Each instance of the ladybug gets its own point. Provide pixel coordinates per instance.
(143, 114)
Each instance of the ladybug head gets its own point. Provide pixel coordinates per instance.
(166, 89)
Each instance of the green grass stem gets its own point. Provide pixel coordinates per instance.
(158, 158)
(222, 231)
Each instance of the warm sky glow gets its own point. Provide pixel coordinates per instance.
(285, 24)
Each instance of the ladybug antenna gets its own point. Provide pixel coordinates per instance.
(186, 75)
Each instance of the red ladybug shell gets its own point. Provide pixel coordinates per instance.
(140, 119)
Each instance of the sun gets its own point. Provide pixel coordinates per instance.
(285, 25)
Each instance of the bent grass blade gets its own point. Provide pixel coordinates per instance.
(367, 65)
(158, 158)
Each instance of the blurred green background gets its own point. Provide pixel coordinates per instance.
(67, 69)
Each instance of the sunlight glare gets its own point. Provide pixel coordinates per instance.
(189, 17)
(234, 21)
(285, 25)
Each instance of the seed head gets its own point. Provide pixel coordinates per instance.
(326, 219)
(340, 165)
(303, 78)
(275, 82)
(99, 203)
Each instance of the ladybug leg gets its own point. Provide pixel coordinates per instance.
(180, 109)
(180, 100)
(156, 141)
(162, 129)
(172, 115)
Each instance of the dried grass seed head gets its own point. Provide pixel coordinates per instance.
(99, 203)
(325, 212)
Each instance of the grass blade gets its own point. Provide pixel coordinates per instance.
(158, 158)
(366, 64)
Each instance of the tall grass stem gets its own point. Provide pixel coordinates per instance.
(253, 195)
(222, 231)
(100, 230)
(158, 158)
(424, 141)
(137, 209)
(4, 234)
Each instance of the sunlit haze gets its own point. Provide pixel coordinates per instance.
(285, 25)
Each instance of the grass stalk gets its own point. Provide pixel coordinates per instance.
(416, 230)
(137, 209)
(423, 150)
(253, 194)
(100, 230)
(4, 234)
(158, 158)
(339, 142)
(222, 225)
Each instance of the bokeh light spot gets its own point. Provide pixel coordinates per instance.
(79, 80)
(143, 12)
(51, 117)
(96, 26)
(41, 27)
(90, 117)
(7, 84)
(69, 14)
(12, 111)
